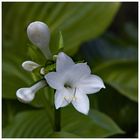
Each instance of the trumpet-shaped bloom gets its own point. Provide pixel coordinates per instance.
(72, 83)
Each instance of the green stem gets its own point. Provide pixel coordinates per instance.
(57, 119)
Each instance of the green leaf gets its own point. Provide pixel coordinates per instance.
(36, 123)
(13, 78)
(122, 75)
(35, 55)
(89, 22)
(29, 124)
(63, 134)
(118, 107)
(10, 108)
(96, 124)
(108, 47)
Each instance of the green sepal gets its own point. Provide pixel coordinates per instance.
(50, 68)
(61, 42)
(36, 74)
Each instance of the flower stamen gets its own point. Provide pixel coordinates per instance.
(66, 100)
(74, 97)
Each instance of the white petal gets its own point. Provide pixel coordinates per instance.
(62, 98)
(77, 72)
(81, 102)
(55, 80)
(91, 84)
(63, 62)
(29, 65)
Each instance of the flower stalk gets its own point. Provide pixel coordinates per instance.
(57, 119)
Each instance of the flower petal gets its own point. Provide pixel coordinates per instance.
(77, 72)
(55, 80)
(81, 102)
(63, 62)
(91, 84)
(29, 65)
(62, 98)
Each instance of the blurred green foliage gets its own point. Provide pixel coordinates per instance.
(111, 57)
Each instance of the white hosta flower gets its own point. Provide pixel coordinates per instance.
(39, 34)
(29, 65)
(27, 94)
(72, 83)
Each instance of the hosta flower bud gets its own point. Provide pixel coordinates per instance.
(27, 94)
(42, 71)
(39, 34)
(29, 65)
